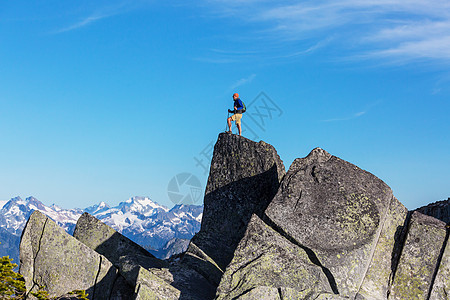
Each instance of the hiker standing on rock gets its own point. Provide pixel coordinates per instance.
(237, 113)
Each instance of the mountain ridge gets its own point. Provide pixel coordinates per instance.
(142, 220)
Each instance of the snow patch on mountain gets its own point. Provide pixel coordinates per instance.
(138, 218)
(2, 203)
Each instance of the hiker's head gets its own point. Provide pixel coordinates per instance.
(235, 95)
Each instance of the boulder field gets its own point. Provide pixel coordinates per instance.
(325, 229)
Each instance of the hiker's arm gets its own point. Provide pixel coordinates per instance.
(233, 111)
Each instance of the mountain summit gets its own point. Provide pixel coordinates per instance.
(326, 229)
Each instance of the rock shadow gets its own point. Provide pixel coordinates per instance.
(228, 210)
(399, 242)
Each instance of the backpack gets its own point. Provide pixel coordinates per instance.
(244, 108)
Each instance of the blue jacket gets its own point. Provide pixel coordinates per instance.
(238, 104)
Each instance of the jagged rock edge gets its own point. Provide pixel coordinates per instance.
(200, 270)
(309, 252)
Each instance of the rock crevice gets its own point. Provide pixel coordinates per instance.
(309, 252)
(34, 258)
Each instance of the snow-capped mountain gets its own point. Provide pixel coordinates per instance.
(138, 218)
(15, 213)
(148, 223)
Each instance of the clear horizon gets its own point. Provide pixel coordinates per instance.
(107, 100)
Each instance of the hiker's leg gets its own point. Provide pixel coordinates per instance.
(229, 123)
(238, 122)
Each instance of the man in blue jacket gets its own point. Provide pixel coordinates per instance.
(237, 113)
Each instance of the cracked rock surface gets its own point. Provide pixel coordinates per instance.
(336, 211)
(51, 258)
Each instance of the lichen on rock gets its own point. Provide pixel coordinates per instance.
(419, 257)
(336, 210)
(264, 258)
(53, 259)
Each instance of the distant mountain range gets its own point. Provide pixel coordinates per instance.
(160, 230)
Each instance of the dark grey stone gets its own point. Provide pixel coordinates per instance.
(243, 179)
(440, 210)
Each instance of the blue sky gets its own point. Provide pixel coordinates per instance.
(104, 100)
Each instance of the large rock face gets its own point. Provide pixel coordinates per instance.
(243, 179)
(266, 260)
(51, 258)
(326, 230)
(151, 278)
(335, 210)
(60, 263)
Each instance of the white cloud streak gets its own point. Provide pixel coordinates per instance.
(434, 48)
(401, 30)
(354, 116)
(81, 23)
(100, 12)
(242, 82)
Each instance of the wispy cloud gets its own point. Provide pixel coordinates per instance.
(351, 117)
(311, 49)
(219, 56)
(242, 82)
(427, 48)
(222, 56)
(86, 21)
(215, 60)
(442, 84)
(397, 30)
(354, 115)
(100, 12)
